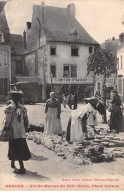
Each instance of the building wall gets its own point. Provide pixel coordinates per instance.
(111, 81)
(33, 33)
(30, 63)
(120, 56)
(14, 61)
(5, 73)
(63, 57)
(4, 28)
(120, 80)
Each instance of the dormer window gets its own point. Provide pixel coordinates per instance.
(1, 37)
(74, 33)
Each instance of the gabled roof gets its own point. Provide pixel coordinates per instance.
(58, 23)
(3, 21)
(16, 42)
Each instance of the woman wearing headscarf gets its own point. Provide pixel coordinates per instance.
(16, 114)
(116, 117)
(77, 129)
(52, 120)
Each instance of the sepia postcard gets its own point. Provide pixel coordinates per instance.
(61, 95)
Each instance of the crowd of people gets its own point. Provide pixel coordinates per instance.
(80, 118)
(71, 100)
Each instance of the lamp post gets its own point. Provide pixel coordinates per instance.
(51, 76)
(60, 77)
(2, 67)
(3, 81)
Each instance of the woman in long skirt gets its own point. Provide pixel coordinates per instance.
(116, 118)
(52, 120)
(16, 114)
(76, 129)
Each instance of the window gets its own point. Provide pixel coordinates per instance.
(120, 86)
(74, 51)
(95, 49)
(90, 49)
(1, 37)
(53, 51)
(98, 87)
(19, 68)
(53, 69)
(121, 63)
(3, 59)
(70, 71)
(66, 71)
(1, 85)
(4, 86)
(118, 64)
(73, 71)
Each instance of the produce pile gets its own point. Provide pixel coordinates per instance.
(99, 149)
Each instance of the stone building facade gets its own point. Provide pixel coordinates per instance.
(5, 56)
(120, 56)
(12, 56)
(58, 48)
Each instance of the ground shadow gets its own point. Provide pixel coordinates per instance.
(32, 176)
(38, 158)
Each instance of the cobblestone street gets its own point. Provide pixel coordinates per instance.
(46, 167)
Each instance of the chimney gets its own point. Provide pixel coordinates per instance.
(24, 40)
(43, 10)
(28, 30)
(121, 38)
(42, 3)
(71, 9)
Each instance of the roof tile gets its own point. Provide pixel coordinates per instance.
(58, 23)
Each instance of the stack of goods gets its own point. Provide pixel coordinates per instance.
(99, 149)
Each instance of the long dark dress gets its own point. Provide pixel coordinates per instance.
(18, 148)
(116, 118)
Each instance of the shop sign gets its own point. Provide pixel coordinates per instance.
(64, 80)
